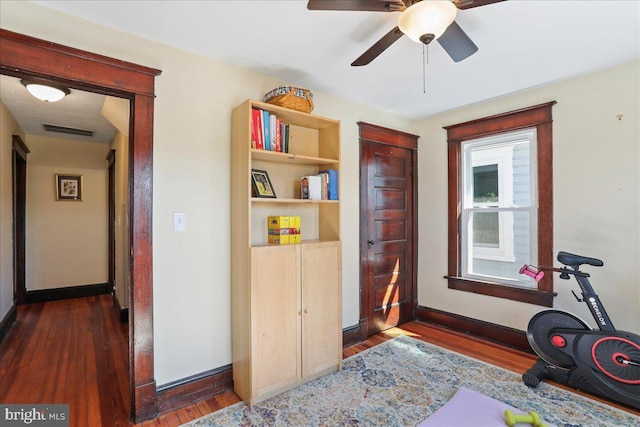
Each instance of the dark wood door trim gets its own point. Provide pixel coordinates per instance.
(19, 182)
(381, 135)
(22, 55)
(111, 214)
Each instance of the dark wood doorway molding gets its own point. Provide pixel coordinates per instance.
(111, 214)
(394, 232)
(27, 56)
(19, 179)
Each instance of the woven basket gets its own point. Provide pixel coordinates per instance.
(291, 97)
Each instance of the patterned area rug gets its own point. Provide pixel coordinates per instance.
(400, 383)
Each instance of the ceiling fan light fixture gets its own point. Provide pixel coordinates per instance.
(427, 20)
(44, 90)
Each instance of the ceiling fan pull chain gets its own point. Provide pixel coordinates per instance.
(425, 60)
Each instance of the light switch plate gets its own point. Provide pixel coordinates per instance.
(179, 221)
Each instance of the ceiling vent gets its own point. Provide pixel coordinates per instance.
(68, 131)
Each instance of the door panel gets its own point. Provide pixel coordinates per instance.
(276, 326)
(387, 232)
(321, 306)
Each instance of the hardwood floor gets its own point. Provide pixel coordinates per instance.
(75, 352)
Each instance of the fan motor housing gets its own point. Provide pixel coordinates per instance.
(427, 38)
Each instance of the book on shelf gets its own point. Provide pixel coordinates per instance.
(330, 181)
(257, 140)
(278, 132)
(268, 132)
(311, 187)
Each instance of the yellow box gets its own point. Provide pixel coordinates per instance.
(279, 239)
(278, 222)
(294, 229)
(278, 230)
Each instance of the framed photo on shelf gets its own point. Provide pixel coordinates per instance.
(262, 184)
(69, 187)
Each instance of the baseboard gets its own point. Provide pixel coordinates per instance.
(56, 294)
(499, 334)
(351, 336)
(8, 321)
(185, 392)
(122, 313)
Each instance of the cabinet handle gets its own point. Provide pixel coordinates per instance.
(299, 313)
(306, 311)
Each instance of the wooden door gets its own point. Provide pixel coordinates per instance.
(321, 307)
(387, 228)
(275, 322)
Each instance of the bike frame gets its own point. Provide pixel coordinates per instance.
(590, 298)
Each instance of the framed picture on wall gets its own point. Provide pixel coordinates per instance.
(69, 187)
(262, 184)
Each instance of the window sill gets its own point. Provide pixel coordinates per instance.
(530, 296)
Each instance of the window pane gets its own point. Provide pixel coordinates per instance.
(485, 184)
(486, 229)
(501, 261)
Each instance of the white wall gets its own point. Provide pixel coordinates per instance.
(8, 128)
(596, 176)
(191, 167)
(67, 241)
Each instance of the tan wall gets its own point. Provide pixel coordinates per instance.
(8, 128)
(67, 241)
(596, 173)
(191, 167)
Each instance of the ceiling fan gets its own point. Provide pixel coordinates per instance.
(423, 21)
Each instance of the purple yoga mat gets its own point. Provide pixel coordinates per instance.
(469, 408)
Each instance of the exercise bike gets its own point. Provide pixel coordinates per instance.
(601, 361)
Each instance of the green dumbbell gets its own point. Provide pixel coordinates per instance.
(532, 418)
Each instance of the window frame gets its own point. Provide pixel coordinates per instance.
(540, 118)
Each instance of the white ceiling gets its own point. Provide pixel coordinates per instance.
(523, 44)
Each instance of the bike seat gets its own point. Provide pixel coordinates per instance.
(577, 260)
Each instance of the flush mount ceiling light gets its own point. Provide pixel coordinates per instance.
(45, 90)
(427, 20)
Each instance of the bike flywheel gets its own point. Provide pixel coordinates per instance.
(540, 334)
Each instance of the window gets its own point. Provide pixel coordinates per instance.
(500, 204)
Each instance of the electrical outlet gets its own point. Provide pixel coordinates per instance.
(179, 221)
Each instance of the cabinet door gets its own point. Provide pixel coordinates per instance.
(320, 267)
(275, 322)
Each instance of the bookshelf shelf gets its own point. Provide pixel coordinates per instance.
(293, 158)
(293, 201)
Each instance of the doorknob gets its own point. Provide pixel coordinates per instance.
(371, 243)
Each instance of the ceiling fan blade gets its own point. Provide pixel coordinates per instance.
(468, 4)
(379, 47)
(456, 43)
(361, 5)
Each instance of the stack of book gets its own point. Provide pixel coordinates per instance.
(268, 132)
(323, 186)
